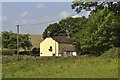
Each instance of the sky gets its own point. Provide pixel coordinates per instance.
(25, 13)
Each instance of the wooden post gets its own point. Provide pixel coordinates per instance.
(18, 42)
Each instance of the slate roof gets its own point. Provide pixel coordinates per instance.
(69, 48)
(63, 39)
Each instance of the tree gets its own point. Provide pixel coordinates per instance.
(100, 33)
(9, 40)
(112, 6)
(53, 28)
(65, 27)
(24, 41)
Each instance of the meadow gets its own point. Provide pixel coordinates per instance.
(69, 67)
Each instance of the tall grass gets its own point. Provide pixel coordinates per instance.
(71, 67)
(104, 66)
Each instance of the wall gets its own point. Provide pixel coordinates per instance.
(45, 46)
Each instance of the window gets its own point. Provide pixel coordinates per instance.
(50, 48)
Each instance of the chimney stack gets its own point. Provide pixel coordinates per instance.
(68, 34)
(48, 34)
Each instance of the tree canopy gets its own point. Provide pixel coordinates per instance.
(9, 40)
(65, 27)
(112, 6)
(100, 33)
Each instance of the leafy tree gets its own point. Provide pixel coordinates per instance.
(53, 28)
(9, 40)
(100, 33)
(112, 6)
(25, 41)
(65, 27)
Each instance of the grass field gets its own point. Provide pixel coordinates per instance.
(104, 66)
(71, 67)
(36, 39)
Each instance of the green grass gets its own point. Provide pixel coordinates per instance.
(36, 39)
(71, 67)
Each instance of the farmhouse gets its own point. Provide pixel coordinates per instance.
(57, 46)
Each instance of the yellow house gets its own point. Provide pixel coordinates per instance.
(57, 46)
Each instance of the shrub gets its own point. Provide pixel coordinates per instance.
(9, 51)
(35, 51)
(112, 53)
(24, 52)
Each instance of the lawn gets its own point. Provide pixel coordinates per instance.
(70, 67)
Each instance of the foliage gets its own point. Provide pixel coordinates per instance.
(112, 53)
(25, 41)
(112, 6)
(65, 27)
(9, 51)
(71, 67)
(100, 33)
(35, 51)
(53, 28)
(9, 40)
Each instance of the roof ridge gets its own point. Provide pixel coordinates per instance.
(63, 39)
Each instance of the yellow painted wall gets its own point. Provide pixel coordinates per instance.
(45, 46)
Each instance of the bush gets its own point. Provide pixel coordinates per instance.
(112, 53)
(35, 51)
(9, 51)
(24, 52)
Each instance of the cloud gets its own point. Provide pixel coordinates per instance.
(65, 14)
(24, 14)
(3, 18)
(40, 5)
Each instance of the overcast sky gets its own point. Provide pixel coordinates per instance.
(14, 13)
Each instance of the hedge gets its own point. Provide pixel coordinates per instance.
(9, 51)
